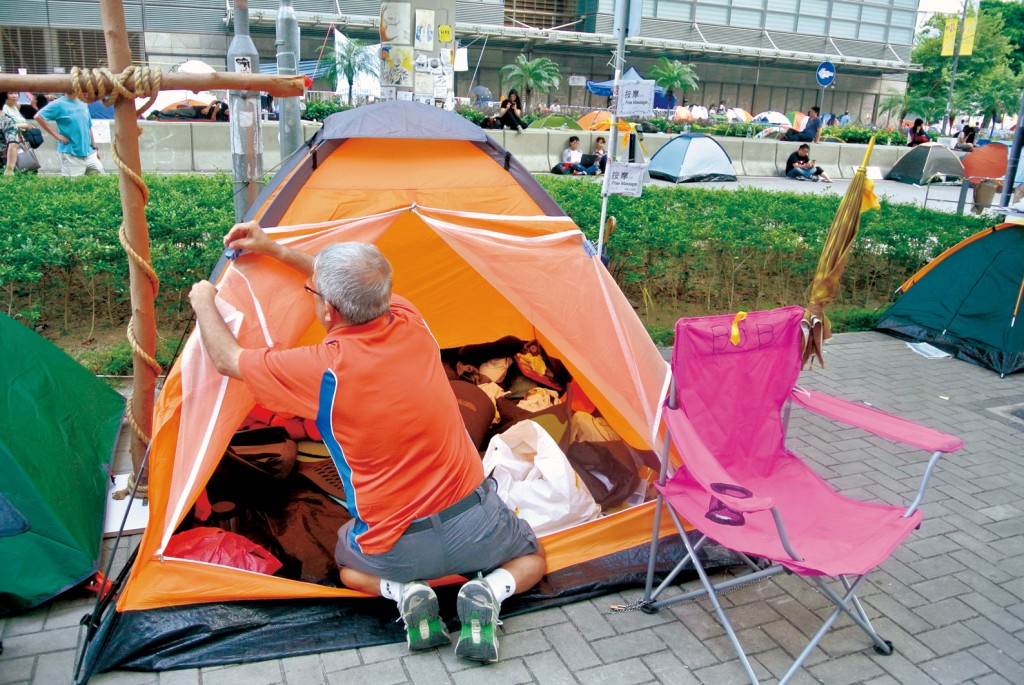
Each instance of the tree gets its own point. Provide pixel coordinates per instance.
(673, 75)
(541, 75)
(1012, 14)
(347, 59)
(896, 105)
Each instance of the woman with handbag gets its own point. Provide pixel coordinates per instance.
(14, 126)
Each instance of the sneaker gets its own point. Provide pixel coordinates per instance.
(519, 129)
(423, 626)
(478, 612)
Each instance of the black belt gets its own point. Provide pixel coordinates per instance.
(464, 504)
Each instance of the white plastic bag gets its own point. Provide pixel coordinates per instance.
(536, 481)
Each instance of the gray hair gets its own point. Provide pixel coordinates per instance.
(355, 278)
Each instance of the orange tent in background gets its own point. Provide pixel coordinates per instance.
(987, 161)
(600, 120)
(798, 119)
(483, 252)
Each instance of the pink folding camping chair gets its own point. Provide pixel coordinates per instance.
(738, 485)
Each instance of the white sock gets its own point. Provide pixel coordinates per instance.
(391, 589)
(502, 584)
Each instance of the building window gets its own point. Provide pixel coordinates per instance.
(872, 32)
(780, 22)
(811, 25)
(746, 18)
(712, 15)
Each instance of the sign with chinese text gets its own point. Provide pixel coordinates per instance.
(636, 98)
(626, 178)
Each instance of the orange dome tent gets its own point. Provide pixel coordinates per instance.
(987, 161)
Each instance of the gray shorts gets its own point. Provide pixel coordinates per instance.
(480, 538)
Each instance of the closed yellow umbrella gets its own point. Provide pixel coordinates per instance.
(859, 198)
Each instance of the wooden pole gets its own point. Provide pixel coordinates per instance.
(278, 86)
(136, 232)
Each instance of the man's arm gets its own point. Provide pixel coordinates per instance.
(249, 236)
(220, 344)
(45, 125)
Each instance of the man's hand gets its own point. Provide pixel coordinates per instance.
(248, 236)
(61, 138)
(202, 294)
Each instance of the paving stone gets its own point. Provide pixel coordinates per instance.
(340, 660)
(531, 621)
(548, 669)
(23, 624)
(505, 672)
(955, 668)
(851, 668)
(16, 670)
(189, 676)
(522, 643)
(303, 670)
(28, 644)
(571, 647)
(947, 611)
(730, 673)
(424, 668)
(1000, 662)
(630, 672)
(1011, 644)
(592, 623)
(70, 613)
(259, 673)
(394, 650)
(690, 649)
(380, 673)
(118, 678)
(667, 668)
(949, 639)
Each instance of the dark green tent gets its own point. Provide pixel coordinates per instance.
(58, 427)
(968, 301)
(925, 163)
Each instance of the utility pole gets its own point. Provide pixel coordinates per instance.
(1013, 162)
(246, 134)
(956, 61)
(287, 43)
(627, 21)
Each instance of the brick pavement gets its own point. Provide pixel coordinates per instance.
(952, 599)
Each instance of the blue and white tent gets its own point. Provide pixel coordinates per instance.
(692, 157)
(606, 88)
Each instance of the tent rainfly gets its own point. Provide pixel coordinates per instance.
(926, 162)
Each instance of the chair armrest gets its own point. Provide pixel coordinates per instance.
(877, 422)
(705, 469)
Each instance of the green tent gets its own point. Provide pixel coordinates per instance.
(968, 301)
(58, 427)
(556, 121)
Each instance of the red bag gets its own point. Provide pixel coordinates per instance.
(224, 548)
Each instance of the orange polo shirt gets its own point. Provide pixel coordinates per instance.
(387, 414)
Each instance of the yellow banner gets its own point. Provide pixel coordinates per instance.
(967, 41)
(949, 37)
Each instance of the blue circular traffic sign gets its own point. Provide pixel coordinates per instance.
(826, 74)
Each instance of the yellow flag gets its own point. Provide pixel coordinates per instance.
(868, 199)
(967, 40)
(949, 37)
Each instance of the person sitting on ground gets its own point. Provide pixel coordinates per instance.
(800, 166)
(601, 153)
(421, 508)
(812, 128)
(917, 135)
(965, 141)
(572, 158)
(510, 112)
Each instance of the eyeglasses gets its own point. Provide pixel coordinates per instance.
(309, 289)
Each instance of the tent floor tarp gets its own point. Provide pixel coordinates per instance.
(198, 635)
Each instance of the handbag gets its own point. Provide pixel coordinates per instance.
(27, 160)
(33, 137)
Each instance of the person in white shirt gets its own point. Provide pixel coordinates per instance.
(573, 156)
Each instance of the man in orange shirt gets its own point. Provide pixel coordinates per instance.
(413, 479)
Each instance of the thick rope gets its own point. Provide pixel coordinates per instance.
(104, 85)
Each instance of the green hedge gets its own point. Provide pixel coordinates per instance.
(711, 250)
(747, 249)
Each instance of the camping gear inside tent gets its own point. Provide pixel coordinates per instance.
(967, 301)
(483, 252)
(692, 157)
(926, 163)
(59, 427)
(987, 161)
(606, 88)
(556, 121)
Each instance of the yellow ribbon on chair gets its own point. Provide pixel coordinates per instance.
(734, 336)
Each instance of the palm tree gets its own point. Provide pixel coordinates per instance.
(348, 59)
(898, 105)
(541, 75)
(673, 75)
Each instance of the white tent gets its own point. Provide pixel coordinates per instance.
(772, 117)
(692, 157)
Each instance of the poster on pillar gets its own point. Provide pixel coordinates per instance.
(417, 50)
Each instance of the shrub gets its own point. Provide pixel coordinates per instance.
(318, 110)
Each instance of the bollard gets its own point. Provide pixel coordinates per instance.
(964, 187)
